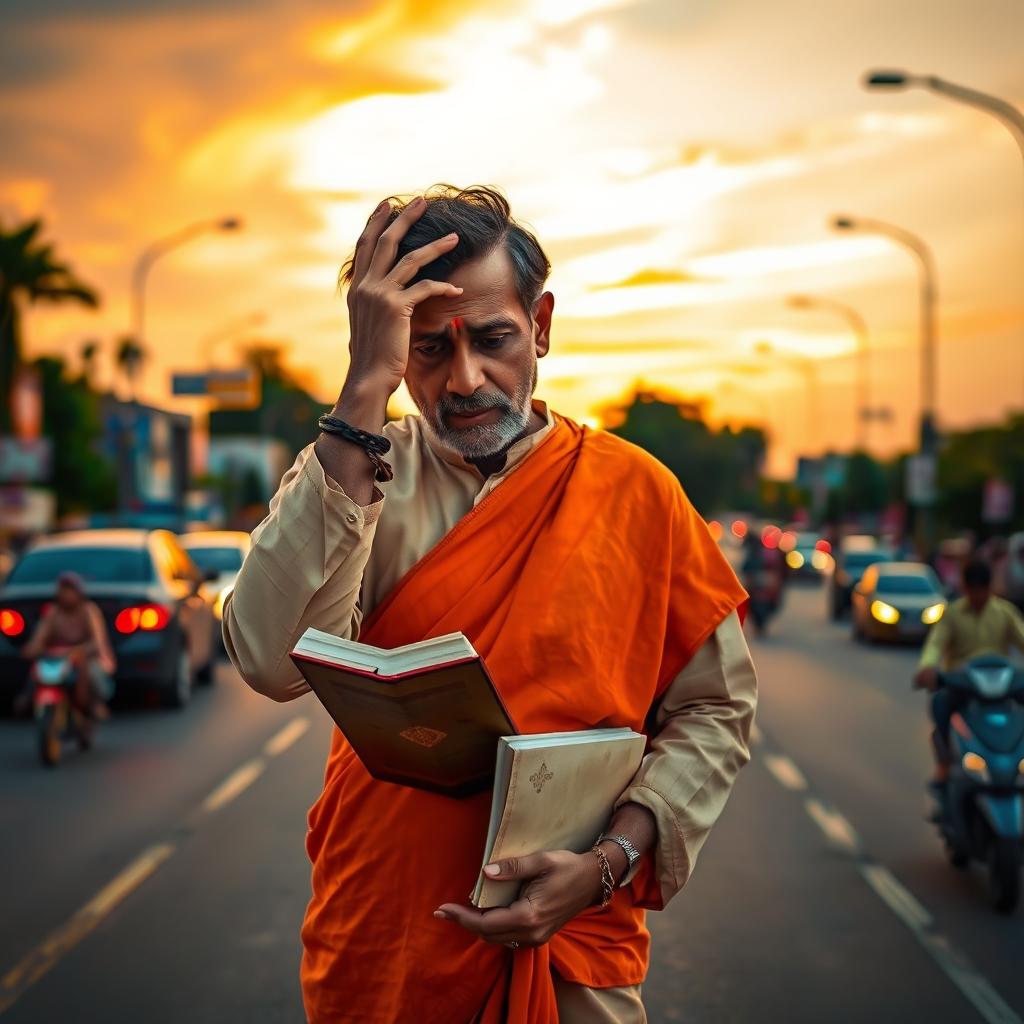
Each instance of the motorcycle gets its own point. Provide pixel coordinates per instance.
(57, 715)
(981, 815)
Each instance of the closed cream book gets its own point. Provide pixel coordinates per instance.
(554, 791)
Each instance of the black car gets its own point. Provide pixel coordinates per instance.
(148, 590)
(849, 570)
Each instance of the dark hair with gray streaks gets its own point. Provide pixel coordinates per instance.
(482, 219)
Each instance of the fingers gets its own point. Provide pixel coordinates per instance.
(387, 241)
(529, 866)
(427, 289)
(515, 923)
(368, 239)
(412, 262)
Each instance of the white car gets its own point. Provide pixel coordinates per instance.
(220, 551)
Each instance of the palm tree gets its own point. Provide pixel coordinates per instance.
(29, 272)
(129, 357)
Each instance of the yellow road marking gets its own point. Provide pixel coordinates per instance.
(41, 959)
(282, 740)
(234, 784)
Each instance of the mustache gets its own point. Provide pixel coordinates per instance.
(467, 405)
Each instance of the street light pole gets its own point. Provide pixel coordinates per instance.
(860, 330)
(926, 265)
(153, 252)
(127, 441)
(1005, 112)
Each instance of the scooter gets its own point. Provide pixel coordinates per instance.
(54, 676)
(981, 816)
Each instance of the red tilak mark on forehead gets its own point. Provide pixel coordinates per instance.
(456, 324)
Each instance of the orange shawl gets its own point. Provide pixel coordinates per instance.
(586, 580)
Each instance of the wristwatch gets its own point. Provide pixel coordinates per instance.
(631, 852)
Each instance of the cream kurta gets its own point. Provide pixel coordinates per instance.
(318, 559)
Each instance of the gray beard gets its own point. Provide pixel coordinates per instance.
(480, 441)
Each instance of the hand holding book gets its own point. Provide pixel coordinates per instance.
(559, 886)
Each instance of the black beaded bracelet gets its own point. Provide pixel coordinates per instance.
(375, 445)
(371, 442)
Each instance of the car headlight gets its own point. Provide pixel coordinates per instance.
(794, 559)
(933, 613)
(218, 604)
(884, 612)
(974, 764)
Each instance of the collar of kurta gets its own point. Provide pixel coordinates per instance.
(515, 454)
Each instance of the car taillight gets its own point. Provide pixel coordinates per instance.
(824, 546)
(142, 616)
(12, 623)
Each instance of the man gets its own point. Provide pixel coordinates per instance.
(976, 623)
(74, 625)
(579, 571)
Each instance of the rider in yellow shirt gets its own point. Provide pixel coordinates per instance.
(977, 623)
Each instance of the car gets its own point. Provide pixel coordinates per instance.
(847, 573)
(897, 601)
(148, 590)
(219, 552)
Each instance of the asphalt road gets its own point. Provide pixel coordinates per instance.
(162, 877)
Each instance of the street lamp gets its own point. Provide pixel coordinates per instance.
(1005, 112)
(926, 265)
(153, 252)
(862, 408)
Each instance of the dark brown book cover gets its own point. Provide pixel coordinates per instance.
(435, 729)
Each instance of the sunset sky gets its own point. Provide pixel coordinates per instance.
(679, 160)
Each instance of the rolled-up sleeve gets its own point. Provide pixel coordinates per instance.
(304, 568)
(701, 742)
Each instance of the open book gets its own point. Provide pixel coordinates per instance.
(425, 715)
(554, 791)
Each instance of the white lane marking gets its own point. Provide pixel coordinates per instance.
(837, 829)
(973, 986)
(239, 780)
(282, 740)
(785, 771)
(33, 966)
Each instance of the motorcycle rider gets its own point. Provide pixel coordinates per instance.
(73, 625)
(974, 624)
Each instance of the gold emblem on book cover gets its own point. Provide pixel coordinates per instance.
(423, 735)
(540, 776)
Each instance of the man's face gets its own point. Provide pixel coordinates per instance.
(473, 359)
